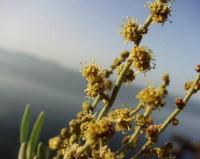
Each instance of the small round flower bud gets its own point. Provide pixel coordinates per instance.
(198, 68)
(188, 85)
(64, 133)
(179, 103)
(166, 79)
(124, 54)
(54, 143)
(175, 122)
(116, 63)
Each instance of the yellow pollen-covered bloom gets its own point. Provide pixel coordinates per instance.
(142, 59)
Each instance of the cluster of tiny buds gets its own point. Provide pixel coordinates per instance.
(130, 31)
(118, 61)
(97, 80)
(160, 10)
(142, 58)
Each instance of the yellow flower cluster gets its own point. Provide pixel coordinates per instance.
(97, 82)
(122, 119)
(104, 152)
(151, 96)
(142, 59)
(102, 129)
(160, 10)
(130, 30)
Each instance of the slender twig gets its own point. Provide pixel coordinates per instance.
(136, 109)
(171, 116)
(121, 76)
(117, 86)
(95, 102)
(138, 128)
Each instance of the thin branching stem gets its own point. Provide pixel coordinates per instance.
(170, 117)
(121, 76)
(138, 128)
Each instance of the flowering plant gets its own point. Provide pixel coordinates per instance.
(88, 135)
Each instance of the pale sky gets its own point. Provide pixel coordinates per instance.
(72, 31)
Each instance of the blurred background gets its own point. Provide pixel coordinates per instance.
(43, 42)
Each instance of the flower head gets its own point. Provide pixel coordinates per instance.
(160, 10)
(91, 71)
(151, 96)
(130, 30)
(102, 129)
(122, 119)
(142, 59)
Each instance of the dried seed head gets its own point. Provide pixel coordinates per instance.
(142, 59)
(179, 103)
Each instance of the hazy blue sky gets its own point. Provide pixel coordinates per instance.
(71, 31)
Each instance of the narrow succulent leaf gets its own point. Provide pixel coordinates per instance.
(35, 157)
(35, 135)
(22, 151)
(41, 151)
(25, 122)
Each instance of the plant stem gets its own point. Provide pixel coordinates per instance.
(121, 76)
(136, 109)
(95, 102)
(137, 130)
(84, 147)
(171, 117)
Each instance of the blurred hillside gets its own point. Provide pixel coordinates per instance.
(48, 86)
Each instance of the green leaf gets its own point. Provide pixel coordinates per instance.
(35, 135)
(22, 151)
(24, 128)
(41, 151)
